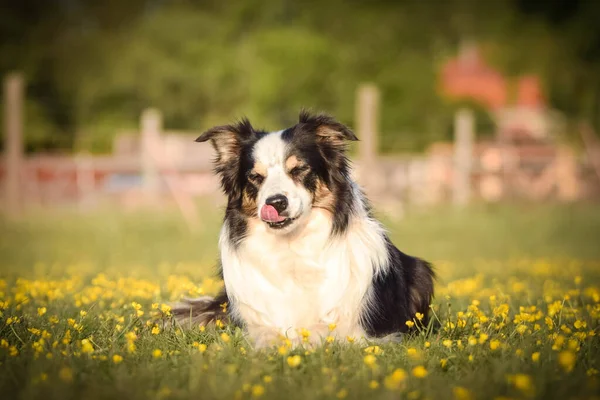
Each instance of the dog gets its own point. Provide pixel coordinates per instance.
(300, 250)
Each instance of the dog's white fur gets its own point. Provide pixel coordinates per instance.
(303, 277)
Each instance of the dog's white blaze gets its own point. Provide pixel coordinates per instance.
(279, 284)
(271, 151)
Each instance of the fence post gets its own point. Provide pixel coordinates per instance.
(367, 115)
(85, 179)
(464, 123)
(151, 126)
(13, 141)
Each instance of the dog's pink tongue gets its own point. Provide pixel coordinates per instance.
(269, 213)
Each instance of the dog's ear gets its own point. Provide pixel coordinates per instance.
(228, 141)
(327, 128)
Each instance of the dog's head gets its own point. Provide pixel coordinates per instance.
(279, 177)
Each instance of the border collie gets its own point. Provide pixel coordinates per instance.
(300, 248)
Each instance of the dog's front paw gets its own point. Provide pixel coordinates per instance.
(263, 337)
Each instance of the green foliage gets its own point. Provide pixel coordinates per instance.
(94, 66)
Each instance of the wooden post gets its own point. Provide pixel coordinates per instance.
(367, 115)
(85, 179)
(151, 126)
(13, 141)
(463, 156)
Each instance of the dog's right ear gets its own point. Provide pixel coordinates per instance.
(227, 140)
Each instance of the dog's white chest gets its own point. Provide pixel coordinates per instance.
(287, 283)
(307, 281)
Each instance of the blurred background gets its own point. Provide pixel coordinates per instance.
(456, 102)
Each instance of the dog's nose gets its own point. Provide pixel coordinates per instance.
(279, 202)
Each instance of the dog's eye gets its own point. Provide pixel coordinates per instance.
(256, 178)
(298, 170)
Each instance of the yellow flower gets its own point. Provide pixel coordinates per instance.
(447, 343)
(394, 380)
(225, 337)
(482, 338)
(443, 362)
(535, 357)
(460, 393)
(267, 379)
(373, 385)
(519, 352)
(294, 361)
(329, 339)
(419, 316)
(413, 353)
(580, 324)
(117, 359)
(373, 350)
(350, 339)
(282, 350)
(591, 372)
(12, 351)
(523, 383)
(332, 326)
(66, 374)
(157, 353)
(410, 324)
(41, 311)
(419, 371)
(472, 341)
(427, 345)
(83, 313)
(219, 324)
(521, 329)
(86, 346)
(494, 344)
(566, 359)
(342, 394)
(305, 333)
(155, 330)
(370, 360)
(258, 390)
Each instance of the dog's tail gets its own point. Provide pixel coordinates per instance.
(201, 311)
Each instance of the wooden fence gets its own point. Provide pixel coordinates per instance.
(155, 164)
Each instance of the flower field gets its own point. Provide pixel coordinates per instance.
(84, 314)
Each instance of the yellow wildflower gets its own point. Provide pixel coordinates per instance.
(395, 379)
(460, 393)
(41, 311)
(117, 359)
(86, 346)
(157, 353)
(370, 360)
(258, 390)
(419, 372)
(566, 359)
(294, 361)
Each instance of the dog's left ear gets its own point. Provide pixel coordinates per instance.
(327, 128)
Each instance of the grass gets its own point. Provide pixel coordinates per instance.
(81, 295)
